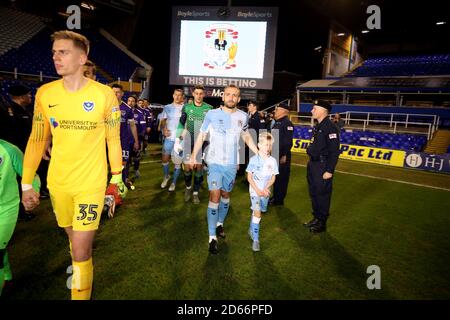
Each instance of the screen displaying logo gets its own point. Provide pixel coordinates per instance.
(220, 46)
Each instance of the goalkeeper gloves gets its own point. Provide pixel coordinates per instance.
(117, 179)
(178, 147)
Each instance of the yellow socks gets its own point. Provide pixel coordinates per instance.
(83, 275)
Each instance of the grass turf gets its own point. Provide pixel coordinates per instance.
(156, 246)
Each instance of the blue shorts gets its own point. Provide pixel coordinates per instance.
(259, 203)
(221, 177)
(168, 146)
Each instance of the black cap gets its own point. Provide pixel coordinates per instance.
(284, 105)
(323, 104)
(18, 90)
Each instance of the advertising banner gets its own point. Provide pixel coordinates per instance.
(360, 153)
(429, 162)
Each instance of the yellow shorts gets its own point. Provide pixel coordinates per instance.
(80, 210)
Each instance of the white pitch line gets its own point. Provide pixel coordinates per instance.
(386, 179)
(359, 175)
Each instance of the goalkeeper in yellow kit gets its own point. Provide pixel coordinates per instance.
(79, 114)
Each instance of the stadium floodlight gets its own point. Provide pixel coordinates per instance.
(64, 14)
(87, 6)
(440, 23)
(365, 31)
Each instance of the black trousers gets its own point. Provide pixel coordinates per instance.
(42, 171)
(319, 190)
(281, 182)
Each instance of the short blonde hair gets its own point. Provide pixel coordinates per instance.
(233, 86)
(78, 40)
(265, 137)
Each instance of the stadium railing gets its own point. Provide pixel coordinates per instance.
(41, 76)
(431, 122)
(391, 125)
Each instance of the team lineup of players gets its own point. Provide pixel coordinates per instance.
(73, 118)
(185, 127)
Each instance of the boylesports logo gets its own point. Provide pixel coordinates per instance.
(53, 122)
(88, 106)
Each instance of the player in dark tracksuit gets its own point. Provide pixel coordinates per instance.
(141, 127)
(128, 133)
(323, 154)
(15, 127)
(285, 134)
(143, 104)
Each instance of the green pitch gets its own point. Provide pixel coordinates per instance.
(156, 246)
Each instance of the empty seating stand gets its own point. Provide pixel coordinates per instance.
(405, 142)
(17, 28)
(109, 57)
(32, 57)
(418, 65)
(32, 54)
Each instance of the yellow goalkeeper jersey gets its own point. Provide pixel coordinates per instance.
(79, 123)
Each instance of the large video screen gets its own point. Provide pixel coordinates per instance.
(215, 47)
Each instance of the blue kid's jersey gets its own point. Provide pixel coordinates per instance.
(262, 170)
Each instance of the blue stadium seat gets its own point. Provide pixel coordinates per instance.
(35, 56)
(435, 64)
(373, 139)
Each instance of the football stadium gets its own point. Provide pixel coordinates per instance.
(224, 150)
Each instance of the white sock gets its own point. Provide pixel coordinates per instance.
(219, 224)
(195, 192)
(255, 220)
(213, 205)
(211, 238)
(225, 200)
